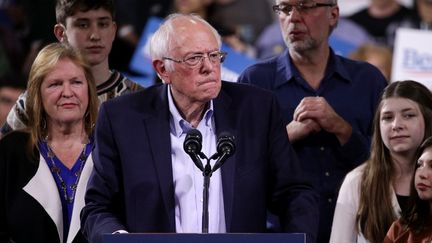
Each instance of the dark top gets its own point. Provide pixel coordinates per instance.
(400, 233)
(402, 201)
(383, 29)
(132, 188)
(353, 89)
(22, 217)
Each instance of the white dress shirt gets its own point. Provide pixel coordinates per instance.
(188, 179)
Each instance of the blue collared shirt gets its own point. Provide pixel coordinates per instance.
(188, 179)
(353, 89)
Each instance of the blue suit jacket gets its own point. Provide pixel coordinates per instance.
(131, 187)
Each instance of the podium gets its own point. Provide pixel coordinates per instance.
(205, 238)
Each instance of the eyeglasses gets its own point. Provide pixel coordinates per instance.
(195, 59)
(301, 7)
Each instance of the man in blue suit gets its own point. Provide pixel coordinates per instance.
(143, 181)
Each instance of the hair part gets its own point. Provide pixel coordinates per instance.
(375, 213)
(45, 62)
(67, 8)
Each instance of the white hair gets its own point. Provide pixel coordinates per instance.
(335, 2)
(162, 39)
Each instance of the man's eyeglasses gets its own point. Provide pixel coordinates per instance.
(195, 59)
(301, 7)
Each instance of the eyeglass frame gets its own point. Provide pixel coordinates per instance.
(300, 7)
(221, 58)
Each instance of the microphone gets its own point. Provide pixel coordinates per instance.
(192, 146)
(225, 148)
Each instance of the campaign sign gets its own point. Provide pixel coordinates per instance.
(412, 56)
(342, 47)
(234, 63)
(349, 7)
(141, 61)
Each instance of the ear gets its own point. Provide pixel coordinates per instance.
(114, 32)
(161, 70)
(60, 32)
(334, 15)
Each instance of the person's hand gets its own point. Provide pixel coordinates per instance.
(319, 110)
(298, 130)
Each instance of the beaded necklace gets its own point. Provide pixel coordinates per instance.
(55, 169)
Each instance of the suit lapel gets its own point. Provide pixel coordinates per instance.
(79, 199)
(225, 122)
(158, 129)
(43, 189)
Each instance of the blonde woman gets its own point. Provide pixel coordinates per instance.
(44, 169)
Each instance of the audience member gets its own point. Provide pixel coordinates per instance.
(328, 101)
(89, 27)
(415, 225)
(205, 9)
(377, 55)
(143, 181)
(423, 19)
(38, 19)
(132, 16)
(373, 195)
(381, 19)
(10, 88)
(24, 27)
(271, 41)
(201, 7)
(247, 17)
(11, 34)
(45, 168)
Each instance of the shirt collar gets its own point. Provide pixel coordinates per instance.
(178, 125)
(289, 71)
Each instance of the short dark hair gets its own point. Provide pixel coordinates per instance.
(67, 8)
(12, 81)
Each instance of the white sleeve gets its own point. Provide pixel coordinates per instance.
(344, 228)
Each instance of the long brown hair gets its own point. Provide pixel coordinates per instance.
(44, 63)
(375, 213)
(419, 211)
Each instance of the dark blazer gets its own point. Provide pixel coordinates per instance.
(30, 206)
(131, 187)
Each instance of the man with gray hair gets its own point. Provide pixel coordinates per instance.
(328, 101)
(143, 179)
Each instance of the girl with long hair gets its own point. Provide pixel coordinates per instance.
(374, 194)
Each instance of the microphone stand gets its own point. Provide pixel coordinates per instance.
(225, 148)
(205, 216)
(207, 173)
